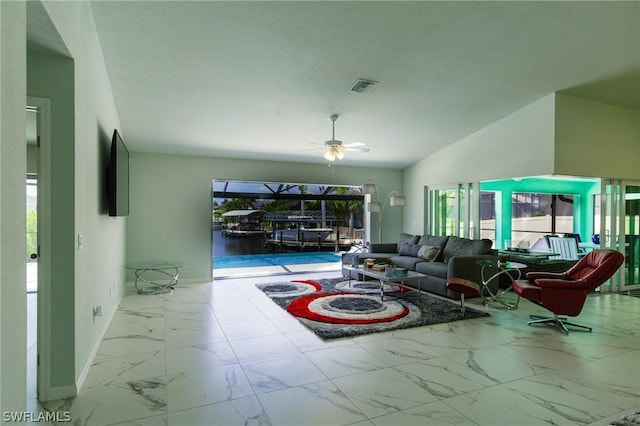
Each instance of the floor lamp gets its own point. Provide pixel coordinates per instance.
(375, 206)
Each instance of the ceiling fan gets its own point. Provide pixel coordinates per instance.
(335, 149)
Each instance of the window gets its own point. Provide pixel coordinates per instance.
(488, 202)
(534, 215)
(453, 210)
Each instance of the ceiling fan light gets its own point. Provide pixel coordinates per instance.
(330, 155)
(340, 155)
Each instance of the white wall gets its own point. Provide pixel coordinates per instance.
(558, 134)
(596, 139)
(171, 201)
(83, 117)
(520, 144)
(12, 207)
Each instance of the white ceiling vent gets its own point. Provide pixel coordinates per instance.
(362, 85)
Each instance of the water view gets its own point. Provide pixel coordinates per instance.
(236, 246)
(250, 251)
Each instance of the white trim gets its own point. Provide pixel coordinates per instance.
(625, 285)
(87, 366)
(61, 392)
(44, 337)
(185, 281)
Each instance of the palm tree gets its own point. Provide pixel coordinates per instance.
(345, 209)
(277, 206)
(237, 204)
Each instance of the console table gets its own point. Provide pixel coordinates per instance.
(154, 277)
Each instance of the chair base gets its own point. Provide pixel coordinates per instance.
(464, 287)
(558, 321)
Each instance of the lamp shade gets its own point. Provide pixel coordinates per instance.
(397, 200)
(368, 188)
(374, 207)
(329, 155)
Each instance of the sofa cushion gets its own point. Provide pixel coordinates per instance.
(383, 248)
(408, 239)
(434, 269)
(429, 253)
(408, 262)
(407, 249)
(431, 240)
(457, 246)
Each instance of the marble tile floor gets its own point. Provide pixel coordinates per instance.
(259, 271)
(221, 353)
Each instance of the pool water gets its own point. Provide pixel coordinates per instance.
(271, 259)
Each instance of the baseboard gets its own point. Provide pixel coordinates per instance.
(87, 366)
(197, 280)
(56, 393)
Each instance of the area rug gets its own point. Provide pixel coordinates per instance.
(333, 308)
(628, 420)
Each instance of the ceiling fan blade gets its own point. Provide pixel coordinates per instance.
(356, 149)
(354, 144)
(311, 149)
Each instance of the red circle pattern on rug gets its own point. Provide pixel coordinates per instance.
(317, 286)
(300, 308)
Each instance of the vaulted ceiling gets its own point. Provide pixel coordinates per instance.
(259, 80)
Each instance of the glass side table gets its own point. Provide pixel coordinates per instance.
(493, 270)
(155, 277)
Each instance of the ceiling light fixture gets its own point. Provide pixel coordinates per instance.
(335, 150)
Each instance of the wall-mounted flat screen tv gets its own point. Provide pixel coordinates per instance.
(118, 177)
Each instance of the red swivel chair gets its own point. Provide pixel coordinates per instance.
(564, 293)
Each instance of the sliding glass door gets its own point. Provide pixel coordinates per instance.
(620, 229)
(454, 210)
(631, 236)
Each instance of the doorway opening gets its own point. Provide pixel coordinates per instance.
(263, 228)
(32, 234)
(33, 249)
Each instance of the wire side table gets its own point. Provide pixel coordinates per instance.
(155, 277)
(511, 269)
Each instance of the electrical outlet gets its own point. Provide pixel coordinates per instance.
(97, 311)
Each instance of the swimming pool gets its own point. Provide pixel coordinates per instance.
(271, 259)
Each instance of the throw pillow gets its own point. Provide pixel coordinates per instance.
(407, 249)
(431, 240)
(429, 253)
(406, 239)
(458, 246)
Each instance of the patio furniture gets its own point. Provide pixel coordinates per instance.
(565, 247)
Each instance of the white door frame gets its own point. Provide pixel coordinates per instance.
(624, 286)
(44, 338)
(620, 187)
(612, 227)
(466, 212)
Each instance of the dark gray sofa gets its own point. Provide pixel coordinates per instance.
(457, 257)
